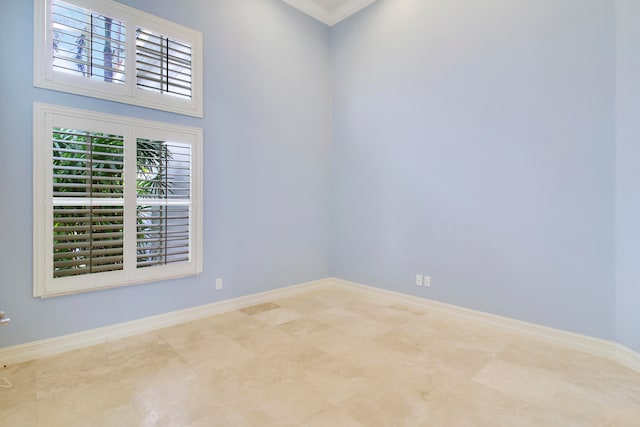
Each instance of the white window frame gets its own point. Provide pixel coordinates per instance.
(45, 76)
(45, 119)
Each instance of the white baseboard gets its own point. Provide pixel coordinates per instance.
(594, 346)
(52, 346)
(57, 345)
(627, 357)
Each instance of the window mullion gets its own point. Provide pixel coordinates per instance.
(130, 59)
(130, 202)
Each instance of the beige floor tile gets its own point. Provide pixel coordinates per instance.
(335, 379)
(235, 388)
(332, 417)
(390, 316)
(130, 354)
(225, 321)
(23, 380)
(18, 403)
(417, 311)
(21, 414)
(335, 316)
(540, 355)
(272, 368)
(302, 305)
(242, 328)
(277, 316)
(304, 327)
(287, 403)
(366, 328)
(388, 405)
(606, 379)
(259, 308)
(220, 351)
(266, 341)
(222, 417)
(452, 357)
(401, 342)
(95, 400)
(119, 416)
(327, 357)
(334, 341)
(175, 396)
(526, 383)
(57, 375)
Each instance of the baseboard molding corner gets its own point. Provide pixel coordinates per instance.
(52, 346)
(627, 357)
(586, 344)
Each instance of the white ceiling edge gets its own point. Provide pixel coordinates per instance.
(329, 16)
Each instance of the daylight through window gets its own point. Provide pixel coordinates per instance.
(121, 200)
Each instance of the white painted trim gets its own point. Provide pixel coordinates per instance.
(329, 16)
(627, 357)
(45, 118)
(594, 346)
(44, 76)
(52, 346)
(348, 9)
(312, 9)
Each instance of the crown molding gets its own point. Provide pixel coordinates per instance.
(329, 16)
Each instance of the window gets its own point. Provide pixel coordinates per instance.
(91, 219)
(163, 65)
(111, 51)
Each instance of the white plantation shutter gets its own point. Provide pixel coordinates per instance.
(87, 44)
(107, 50)
(117, 201)
(88, 190)
(163, 202)
(163, 64)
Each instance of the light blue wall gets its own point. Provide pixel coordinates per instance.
(267, 141)
(474, 142)
(628, 174)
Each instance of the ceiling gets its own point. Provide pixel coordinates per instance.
(329, 11)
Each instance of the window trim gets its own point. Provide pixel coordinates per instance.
(45, 118)
(44, 76)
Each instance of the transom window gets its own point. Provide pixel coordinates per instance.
(99, 228)
(115, 52)
(87, 44)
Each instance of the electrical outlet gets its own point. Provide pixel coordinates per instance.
(426, 281)
(218, 284)
(418, 279)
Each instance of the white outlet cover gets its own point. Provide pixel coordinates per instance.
(419, 280)
(218, 284)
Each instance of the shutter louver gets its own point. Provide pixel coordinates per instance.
(163, 202)
(163, 65)
(88, 44)
(88, 213)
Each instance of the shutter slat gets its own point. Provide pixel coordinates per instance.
(80, 237)
(163, 65)
(88, 44)
(163, 229)
(87, 253)
(87, 237)
(89, 244)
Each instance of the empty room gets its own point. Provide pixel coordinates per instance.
(320, 213)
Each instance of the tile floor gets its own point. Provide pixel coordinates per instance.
(326, 357)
